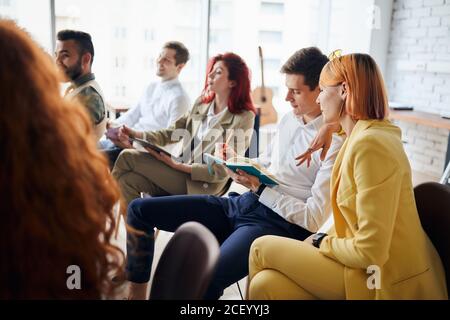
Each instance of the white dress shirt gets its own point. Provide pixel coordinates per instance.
(159, 107)
(303, 195)
(209, 122)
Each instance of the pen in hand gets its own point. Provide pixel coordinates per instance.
(224, 147)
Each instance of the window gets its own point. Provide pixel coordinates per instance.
(34, 16)
(272, 8)
(271, 36)
(280, 27)
(138, 29)
(128, 37)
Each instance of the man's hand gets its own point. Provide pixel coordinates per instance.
(245, 179)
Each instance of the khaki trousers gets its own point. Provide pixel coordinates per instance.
(288, 269)
(138, 172)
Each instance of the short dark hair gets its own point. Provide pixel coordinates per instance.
(308, 62)
(181, 52)
(83, 40)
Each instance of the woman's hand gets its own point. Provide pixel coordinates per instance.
(321, 141)
(224, 151)
(245, 179)
(126, 133)
(170, 162)
(121, 137)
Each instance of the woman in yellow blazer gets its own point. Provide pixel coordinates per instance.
(377, 248)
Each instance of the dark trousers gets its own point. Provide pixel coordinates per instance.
(235, 221)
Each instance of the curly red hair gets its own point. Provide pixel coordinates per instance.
(57, 192)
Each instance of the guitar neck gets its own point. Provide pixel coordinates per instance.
(263, 87)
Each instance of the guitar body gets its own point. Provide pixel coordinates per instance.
(262, 97)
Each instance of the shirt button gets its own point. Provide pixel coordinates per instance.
(205, 186)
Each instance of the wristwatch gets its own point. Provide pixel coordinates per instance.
(317, 239)
(260, 190)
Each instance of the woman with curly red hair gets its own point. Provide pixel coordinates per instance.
(57, 193)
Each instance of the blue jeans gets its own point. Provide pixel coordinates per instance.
(235, 221)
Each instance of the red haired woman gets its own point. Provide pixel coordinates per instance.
(224, 112)
(57, 195)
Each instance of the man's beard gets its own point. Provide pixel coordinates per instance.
(74, 72)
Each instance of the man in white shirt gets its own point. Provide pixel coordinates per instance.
(161, 104)
(295, 208)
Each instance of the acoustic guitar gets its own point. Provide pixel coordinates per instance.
(262, 97)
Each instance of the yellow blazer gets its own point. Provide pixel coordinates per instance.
(376, 219)
(185, 129)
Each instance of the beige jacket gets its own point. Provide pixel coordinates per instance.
(236, 129)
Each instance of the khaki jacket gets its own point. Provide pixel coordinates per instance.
(236, 129)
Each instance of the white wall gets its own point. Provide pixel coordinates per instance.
(418, 73)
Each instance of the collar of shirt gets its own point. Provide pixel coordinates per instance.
(211, 116)
(315, 124)
(82, 80)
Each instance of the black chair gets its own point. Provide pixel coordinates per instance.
(254, 140)
(186, 265)
(433, 204)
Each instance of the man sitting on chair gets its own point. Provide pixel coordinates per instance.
(162, 103)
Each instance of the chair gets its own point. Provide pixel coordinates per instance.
(433, 204)
(186, 265)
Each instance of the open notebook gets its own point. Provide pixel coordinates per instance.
(244, 164)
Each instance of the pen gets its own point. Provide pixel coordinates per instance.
(224, 150)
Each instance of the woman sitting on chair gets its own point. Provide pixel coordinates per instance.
(57, 194)
(377, 248)
(223, 112)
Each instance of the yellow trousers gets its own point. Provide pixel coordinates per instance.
(287, 269)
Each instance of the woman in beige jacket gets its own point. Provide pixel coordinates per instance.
(224, 113)
(377, 248)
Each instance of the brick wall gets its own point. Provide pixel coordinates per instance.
(420, 46)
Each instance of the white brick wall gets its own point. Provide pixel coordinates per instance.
(419, 49)
(425, 147)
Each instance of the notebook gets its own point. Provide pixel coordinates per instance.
(244, 164)
(154, 147)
